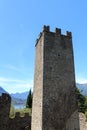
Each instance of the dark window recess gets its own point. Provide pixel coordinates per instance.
(50, 68)
(58, 54)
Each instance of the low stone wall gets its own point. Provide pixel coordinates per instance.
(16, 123)
(20, 123)
(83, 123)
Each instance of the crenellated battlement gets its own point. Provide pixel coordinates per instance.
(17, 122)
(18, 115)
(68, 34)
(46, 28)
(57, 32)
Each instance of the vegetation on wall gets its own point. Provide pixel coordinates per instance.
(82, 101)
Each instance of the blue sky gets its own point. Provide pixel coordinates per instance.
(20, 23)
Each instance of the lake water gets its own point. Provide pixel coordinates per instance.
(19, 106)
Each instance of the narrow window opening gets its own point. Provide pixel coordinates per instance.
(58, 54)
(50, 68)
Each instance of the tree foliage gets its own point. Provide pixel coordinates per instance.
(82, 102)
(29, 100)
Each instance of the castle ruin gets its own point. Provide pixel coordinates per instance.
(16, 123)
(54, 99)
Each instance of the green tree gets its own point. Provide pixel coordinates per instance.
(29, 100)
(82, 105)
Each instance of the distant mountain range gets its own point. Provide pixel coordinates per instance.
(20, 98)
(82, 88)
(17, 98)
(20, 95)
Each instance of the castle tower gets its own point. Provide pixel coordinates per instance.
(54, 100)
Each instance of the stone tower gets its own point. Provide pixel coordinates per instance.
(54, 100)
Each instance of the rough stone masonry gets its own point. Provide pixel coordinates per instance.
(14, 123)
(54, 99)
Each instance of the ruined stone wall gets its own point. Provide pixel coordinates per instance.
(5, 102)
(83, 121)
(55, 103)
(16, 123)
(20, 123)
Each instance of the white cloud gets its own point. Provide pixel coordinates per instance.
(22, 87)
(15, 85)
(81, 80)
(2, 79)
(20, 70)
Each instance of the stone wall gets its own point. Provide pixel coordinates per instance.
(83, 121)
(20, 123)
(16, 123)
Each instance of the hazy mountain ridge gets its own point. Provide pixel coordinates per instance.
(22, 95)
(82, 88)
(15, 99)
(20, 98)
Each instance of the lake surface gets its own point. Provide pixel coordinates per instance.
(19, 106)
